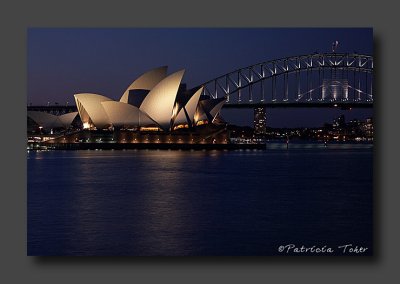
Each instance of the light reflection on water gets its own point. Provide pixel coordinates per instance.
(196, 202)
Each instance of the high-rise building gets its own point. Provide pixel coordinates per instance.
(260, 120)
(369, 128)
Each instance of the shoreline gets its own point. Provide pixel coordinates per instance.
(271, 145)
(149, 146)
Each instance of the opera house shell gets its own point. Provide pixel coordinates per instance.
(51, 121)
(154, 101)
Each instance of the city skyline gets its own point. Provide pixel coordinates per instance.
(62, 62)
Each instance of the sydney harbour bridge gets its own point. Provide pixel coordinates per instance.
(314, 80)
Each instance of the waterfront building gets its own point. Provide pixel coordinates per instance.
(154, 101)
(155, 108)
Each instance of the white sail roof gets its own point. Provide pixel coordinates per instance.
(159, 103)
(181, 118)
(66, 119)
(216, 109)
(192, 103)
(147, 81)
(91, 110)
(122, 114)
(190, 108)
(208, 109)
(44, 119)
(49, 121)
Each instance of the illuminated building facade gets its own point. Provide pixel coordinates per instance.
(369, 128)
(260, 120)
(154, 101)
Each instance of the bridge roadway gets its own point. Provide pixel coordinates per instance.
(341, 105)
(237, 105)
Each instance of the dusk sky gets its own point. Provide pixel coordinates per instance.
(63, 62)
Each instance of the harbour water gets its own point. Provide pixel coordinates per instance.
(160, 202)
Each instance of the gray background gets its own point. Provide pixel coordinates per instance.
(17, 16)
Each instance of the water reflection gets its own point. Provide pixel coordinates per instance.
(164, 205)
(195, 202)
(153, 189)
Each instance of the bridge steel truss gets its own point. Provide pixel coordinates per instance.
(327, 79)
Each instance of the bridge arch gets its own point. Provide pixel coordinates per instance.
(313, 78)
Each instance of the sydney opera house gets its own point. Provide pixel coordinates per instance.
(155, 108)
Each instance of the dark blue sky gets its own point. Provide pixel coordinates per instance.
(62, 62)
